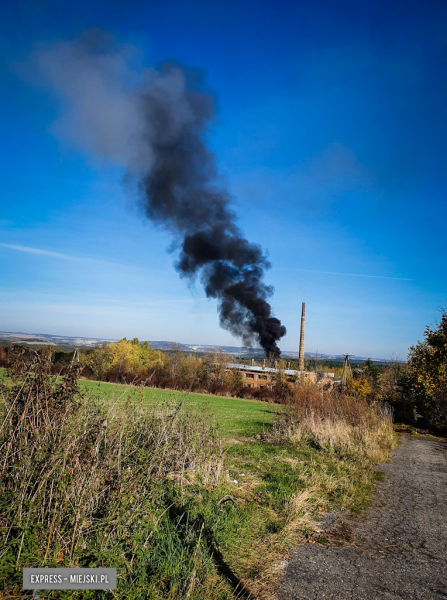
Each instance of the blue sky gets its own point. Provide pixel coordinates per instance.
(330, 134)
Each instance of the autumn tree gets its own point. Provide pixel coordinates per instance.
(191, 369)
(123, 356)
(280, 386)
(371, 373)
(359, 387)
(3, 355)
(427, 369)
(220, 365)
(99, 359)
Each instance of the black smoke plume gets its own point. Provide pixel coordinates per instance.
(155, 123)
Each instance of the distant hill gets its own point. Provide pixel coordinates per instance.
(37, 339)
(53, 340)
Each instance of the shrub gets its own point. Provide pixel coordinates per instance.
(395, 389)
(347, 425)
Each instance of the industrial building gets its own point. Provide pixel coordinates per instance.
(260, 377)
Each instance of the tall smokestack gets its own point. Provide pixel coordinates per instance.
(301, 354)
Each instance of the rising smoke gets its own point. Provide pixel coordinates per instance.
(154, 122)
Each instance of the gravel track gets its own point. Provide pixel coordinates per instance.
(397, 550)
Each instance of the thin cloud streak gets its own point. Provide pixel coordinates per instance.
(41, 252)
(100, 300)
(30, 250)
(349, 274)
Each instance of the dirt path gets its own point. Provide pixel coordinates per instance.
(399, 549)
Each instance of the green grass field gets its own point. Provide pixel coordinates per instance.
(235, 417)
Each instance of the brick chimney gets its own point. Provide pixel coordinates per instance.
(301, 353)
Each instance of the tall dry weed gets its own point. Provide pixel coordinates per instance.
(88, 483)
(339, 423)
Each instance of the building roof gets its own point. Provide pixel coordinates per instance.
(262, 369)
(291, 372)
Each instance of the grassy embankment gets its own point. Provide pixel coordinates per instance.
(233, 485)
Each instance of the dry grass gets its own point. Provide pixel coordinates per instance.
(86, 483)
(340, 423)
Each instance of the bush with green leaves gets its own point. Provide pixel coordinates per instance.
(427, 369)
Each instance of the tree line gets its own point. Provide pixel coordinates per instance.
(416, 390)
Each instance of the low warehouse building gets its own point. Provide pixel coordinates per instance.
(260, 377)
